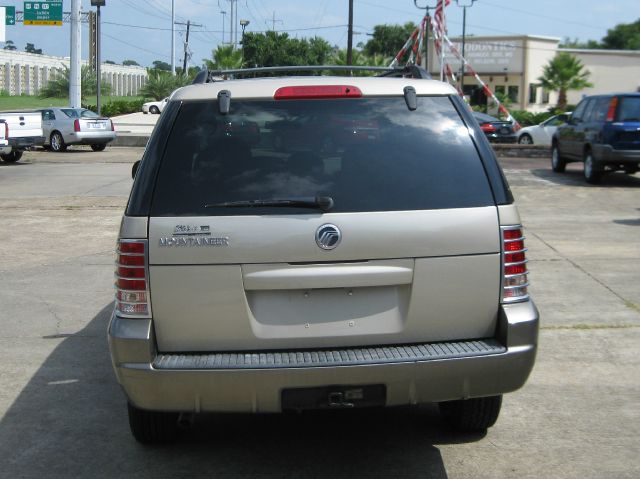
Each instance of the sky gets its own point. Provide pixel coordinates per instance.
(140, 30)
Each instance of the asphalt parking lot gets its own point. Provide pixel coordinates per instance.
(62, 413)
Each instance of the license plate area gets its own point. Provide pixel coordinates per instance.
(334, 397)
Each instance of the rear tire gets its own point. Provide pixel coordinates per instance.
(12, 157)
(525, 139)
(57, 142)
(98, 146)
(472, 415)
(558, 164)
(592, 171)
(152, 427)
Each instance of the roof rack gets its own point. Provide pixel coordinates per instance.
(410, 71)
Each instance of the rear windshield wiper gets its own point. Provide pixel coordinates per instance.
(324, 203)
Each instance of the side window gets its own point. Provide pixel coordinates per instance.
(578, 114)
(588, 110)
(600, 109)
(47, 115)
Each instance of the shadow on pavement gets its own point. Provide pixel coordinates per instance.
(70, 421)
(574, 177)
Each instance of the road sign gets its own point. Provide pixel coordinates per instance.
(10, 16)
(43, 13)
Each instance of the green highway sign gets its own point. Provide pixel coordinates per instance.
(43, 13)
(10, 16)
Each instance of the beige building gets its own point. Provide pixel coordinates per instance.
(24, 73)
(512, 65)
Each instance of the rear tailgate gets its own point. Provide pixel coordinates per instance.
(23, 124)
(419, 254)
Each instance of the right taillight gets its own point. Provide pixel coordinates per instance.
(6, 130)
(488, 128)
(611, 112)
(132, 279)
(514, 265)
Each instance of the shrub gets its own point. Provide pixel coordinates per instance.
(118, 107)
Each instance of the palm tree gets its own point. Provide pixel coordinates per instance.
(224, 58)
(563, 73)
(59, 87)
(160, 84)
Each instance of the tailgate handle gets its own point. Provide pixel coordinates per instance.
(323, 277)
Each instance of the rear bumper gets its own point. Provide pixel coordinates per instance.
(25, 142)
(92, 137)
(606, 154)
(190, 383)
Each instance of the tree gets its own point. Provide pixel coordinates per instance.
(623, 37)
(59, 87)
(30, 48)
(224, 57)
(575, 43)
(9, 45)
(160, 65)
(110, 62)
(160, 84)
(387, 40)
(563, 73)
(277, 49)
(130, 63)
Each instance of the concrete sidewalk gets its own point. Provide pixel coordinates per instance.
(134, 129)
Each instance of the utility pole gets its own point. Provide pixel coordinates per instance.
(425, 57)
(273, 22)
(233, 17)
(223, 20)
(173, 37)
(186, 43)
(464, 33)
(350, 35)
(75, 85)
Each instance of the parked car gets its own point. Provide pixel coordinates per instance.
(542, 133)
(391, 271)
(76, 126)
(154, 107)
(496, 130)
(23, 130)
(604, 133)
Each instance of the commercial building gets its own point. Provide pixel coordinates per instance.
(512, 65)
(24, 73)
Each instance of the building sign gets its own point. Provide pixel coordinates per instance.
(43, 13)
(10, 16)
(492, 56)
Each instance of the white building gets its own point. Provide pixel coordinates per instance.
(513, 64)
(26, 73)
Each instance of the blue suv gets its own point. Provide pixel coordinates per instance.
(604, 133)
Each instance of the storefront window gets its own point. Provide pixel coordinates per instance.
(513, 93)
(545, 96)
(533, 93)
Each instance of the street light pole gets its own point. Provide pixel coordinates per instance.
(98, 4)
(243, 24)
(173, 37)
(425, 57)
(464, 34)
(223, 20)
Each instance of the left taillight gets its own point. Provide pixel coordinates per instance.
(76, 125)
(515, 279)
(132, 279)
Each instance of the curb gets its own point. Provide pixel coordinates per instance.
(130, 140)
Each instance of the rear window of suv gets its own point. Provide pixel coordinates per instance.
(629, 109)
(369, 154)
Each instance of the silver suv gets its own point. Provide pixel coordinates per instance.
(319, 242)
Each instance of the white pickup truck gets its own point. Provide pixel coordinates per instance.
(24, 130)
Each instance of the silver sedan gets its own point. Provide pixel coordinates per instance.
(75, 126)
